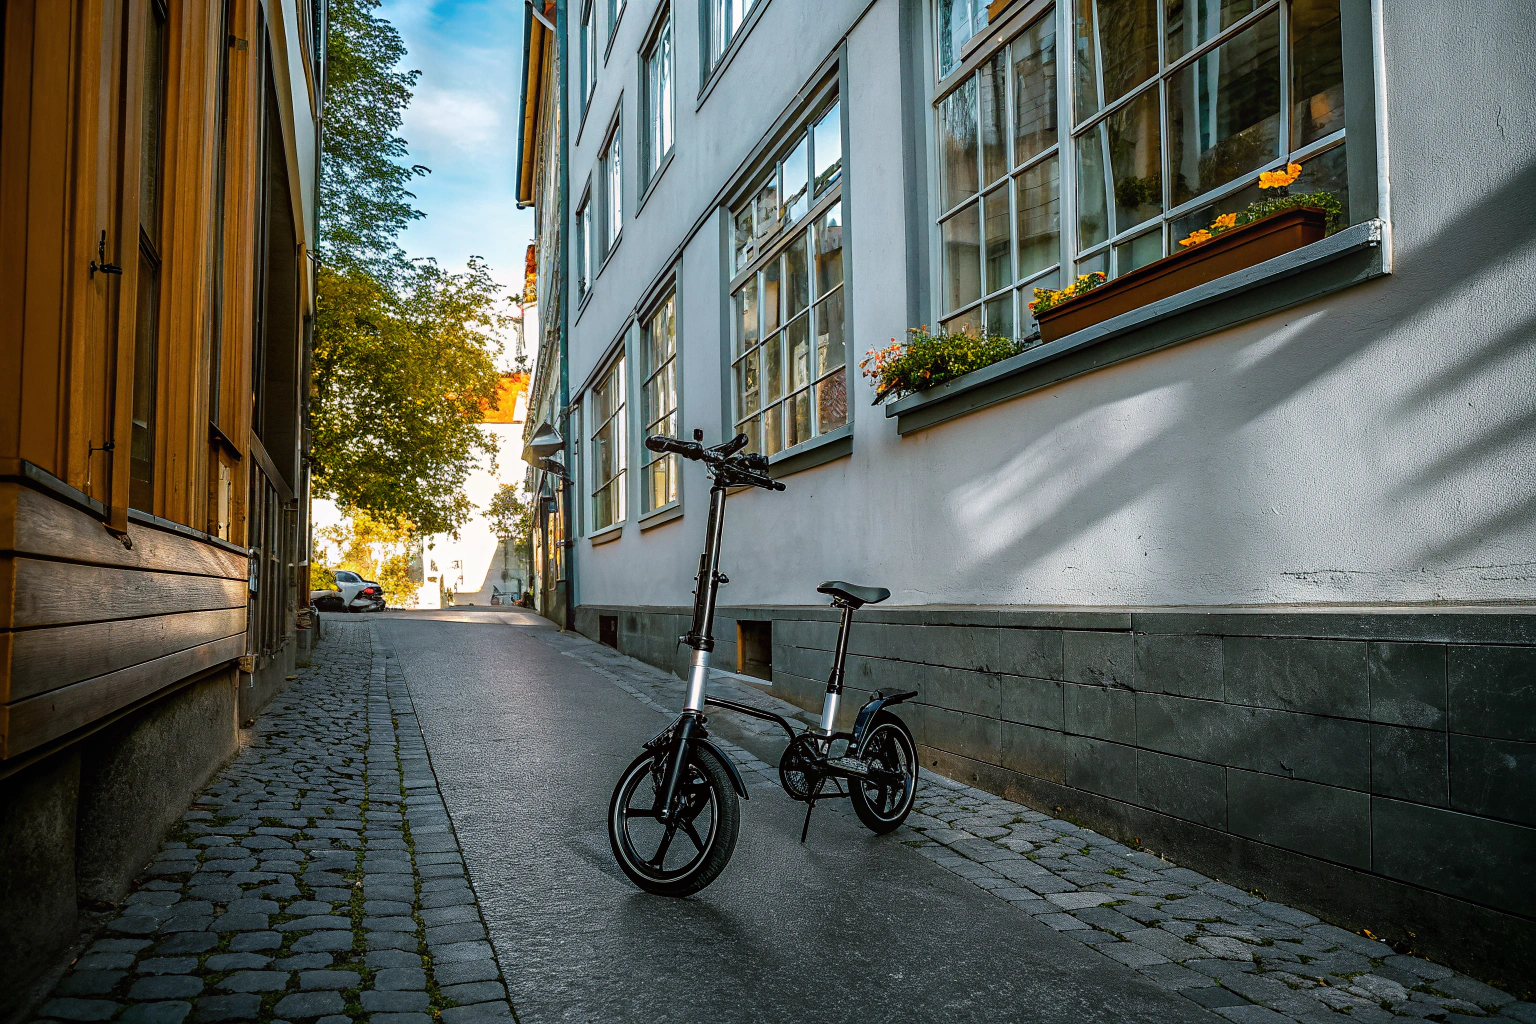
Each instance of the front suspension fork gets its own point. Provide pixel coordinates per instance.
(677, 757)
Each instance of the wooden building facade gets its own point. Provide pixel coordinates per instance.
(158, 165)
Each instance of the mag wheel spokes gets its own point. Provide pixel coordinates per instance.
(685, 852)
(883, 801)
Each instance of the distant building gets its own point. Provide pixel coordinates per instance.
(1243, 570)
(157, 233)
(477, 567)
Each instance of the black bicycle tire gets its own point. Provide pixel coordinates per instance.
(722, 838)
(873, 820)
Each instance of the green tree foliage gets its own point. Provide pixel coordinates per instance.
(364, 201)
(403, 350)
(401, 379)
(510, 515)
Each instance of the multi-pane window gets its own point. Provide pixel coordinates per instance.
(608, 459)
(612, 163)
(588, 52)
(584, 240)
(725, 18)
(1176, 106)
(788, 352)
(658, 397)
(656, 99)
(146, 348)
(958, 21)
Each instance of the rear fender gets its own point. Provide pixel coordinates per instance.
(870, 709)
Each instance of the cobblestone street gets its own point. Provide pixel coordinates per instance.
(317, 876)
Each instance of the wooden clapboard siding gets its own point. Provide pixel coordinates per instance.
(45, 659)
(33, 523)
(59, 712)
(61, 593)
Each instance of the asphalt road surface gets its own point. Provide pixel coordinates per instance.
(527, 744)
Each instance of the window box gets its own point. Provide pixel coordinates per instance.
(1352, 256)
(1228, 252)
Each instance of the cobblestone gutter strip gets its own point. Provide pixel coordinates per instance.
(1248, 959)
(316, 878)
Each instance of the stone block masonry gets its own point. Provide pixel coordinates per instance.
(1374, 766)
(316, 878)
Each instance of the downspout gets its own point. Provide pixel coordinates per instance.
(567, 485)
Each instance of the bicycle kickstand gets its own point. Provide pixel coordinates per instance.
(810, 805)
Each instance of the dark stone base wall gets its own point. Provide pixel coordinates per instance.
(1376, 767)
(77, 826)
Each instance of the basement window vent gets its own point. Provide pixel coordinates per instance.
(608, 630)
(754, 649)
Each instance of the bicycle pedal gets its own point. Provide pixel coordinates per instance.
(849, 766)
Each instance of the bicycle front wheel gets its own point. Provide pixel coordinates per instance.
(688, 852)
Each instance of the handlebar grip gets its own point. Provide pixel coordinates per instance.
(778, 486)
(663, 443)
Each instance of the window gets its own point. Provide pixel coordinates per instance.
(146, 347)
(658, 399)
(612, 164)
(584, 247)
(725, 18)
(959, 20)
(588, 53)
(608, 459)
(615, 9)
(656, 99)
(789, 359)
(1177, 107)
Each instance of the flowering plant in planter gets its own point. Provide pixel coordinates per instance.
(925, 359)
(1046, 298)
(1278, 184)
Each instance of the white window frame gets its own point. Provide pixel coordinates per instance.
(584, 245)
(651, 421)
(588, 52)
(1107, 254)
(611, 165)
(614, 375)
(658, 74)
(753, 265)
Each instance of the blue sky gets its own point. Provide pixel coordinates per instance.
(462, 123)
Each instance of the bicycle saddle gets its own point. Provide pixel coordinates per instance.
(855, 596)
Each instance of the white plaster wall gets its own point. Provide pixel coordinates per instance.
(1375, 446)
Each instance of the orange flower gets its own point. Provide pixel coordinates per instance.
(1280, 179)
(1226, 220)
(1196, 238)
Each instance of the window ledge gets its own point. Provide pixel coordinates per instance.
(606, 535)
(650, 186)
(714, 74)
(1354, 255)
(665, 514)
(818, 451)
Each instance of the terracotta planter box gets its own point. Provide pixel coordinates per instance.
(1227, 253)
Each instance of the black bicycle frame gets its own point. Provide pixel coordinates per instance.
(700, 638)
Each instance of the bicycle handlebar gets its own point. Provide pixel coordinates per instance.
(750, 469)
(687, 449)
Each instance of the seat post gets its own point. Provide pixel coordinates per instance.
(835, 681)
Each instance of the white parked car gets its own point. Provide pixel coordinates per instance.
(352, 593)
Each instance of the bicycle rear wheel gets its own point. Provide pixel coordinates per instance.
(686, 854)
(883, 803)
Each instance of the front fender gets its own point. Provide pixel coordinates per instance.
(730, 766)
